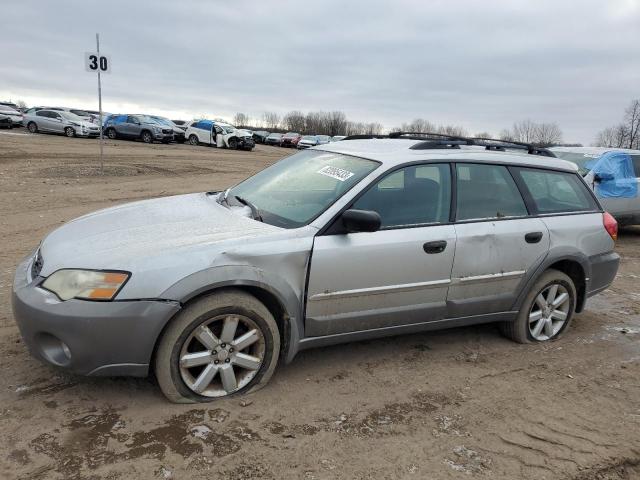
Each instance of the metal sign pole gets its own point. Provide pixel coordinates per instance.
(100, 107)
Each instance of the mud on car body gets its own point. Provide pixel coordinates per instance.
(346, 241)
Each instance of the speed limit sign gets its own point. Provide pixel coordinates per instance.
(97, 62)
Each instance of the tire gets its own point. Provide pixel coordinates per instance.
(193, 140)
(233, 143)
(146, 136)
(523, 329)
(32, 127)
(69, 132)
(178, 382)
(112, 134)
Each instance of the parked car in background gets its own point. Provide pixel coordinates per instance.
(218, 134)
(59, 121)
(613, 174)
(290, 139)
(178, 133)
(337, 138)
(349, 241)
(17, 117)
(259, 136)
(5, 121)
(134, 127)
(274, 139)
(308, 141)
(10, 104)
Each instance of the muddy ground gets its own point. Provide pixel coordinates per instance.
(461, 403)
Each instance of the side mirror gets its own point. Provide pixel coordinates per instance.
(361, 221)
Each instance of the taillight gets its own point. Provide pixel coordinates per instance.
(610, 225)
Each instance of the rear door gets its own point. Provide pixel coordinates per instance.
(498, 242)
(397, 275)
(43, 121)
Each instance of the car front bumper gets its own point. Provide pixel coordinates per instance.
(84, 337)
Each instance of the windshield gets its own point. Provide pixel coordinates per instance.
(163, 121)
(585, 161)
(148, 119)
(295, 190)
(275, 135)
(310, 137)
(71, 116)
(291, 135)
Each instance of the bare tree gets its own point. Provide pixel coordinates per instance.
(507, 135)
(21, 104)
(483, 135)
(525, 131)
(453, 130)
(632, 124)
(547, 134)
(335, 123)
(271, 120)
(294, 121)
(241, 120)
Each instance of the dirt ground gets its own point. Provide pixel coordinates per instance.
(461, 403)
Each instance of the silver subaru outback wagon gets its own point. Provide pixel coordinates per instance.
(347, 241)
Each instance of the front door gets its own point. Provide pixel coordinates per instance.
(398, 275)
(497, 241)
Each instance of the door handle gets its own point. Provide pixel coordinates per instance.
(533, 237)
(435, 247)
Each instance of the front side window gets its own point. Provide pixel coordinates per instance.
(555, 192)
(413, 195)
(295, 190)
(487, 191)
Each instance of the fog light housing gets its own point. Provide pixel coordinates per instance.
(54, 350)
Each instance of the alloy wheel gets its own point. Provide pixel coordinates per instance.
(549, 312)
(222, 355)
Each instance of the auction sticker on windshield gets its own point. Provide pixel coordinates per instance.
(335, 172)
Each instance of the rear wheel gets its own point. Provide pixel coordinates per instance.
(223, 344)
(112, 134)
(193, 139)
(32, 127)
(69, 132)
(546, 311)
(147, 137)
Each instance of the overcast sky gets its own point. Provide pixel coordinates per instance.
(479, 64)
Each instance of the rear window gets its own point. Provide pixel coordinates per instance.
(556, 192)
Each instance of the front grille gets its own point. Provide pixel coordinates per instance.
(167, 131)
(36, 267)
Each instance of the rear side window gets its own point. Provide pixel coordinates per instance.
(42, 113)
(487, 191)
(556, 192)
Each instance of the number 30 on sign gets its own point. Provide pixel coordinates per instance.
(97, 63)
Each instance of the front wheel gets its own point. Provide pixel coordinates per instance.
(546, 311)
(220, 345)
(112, 134)
(193, 139)
(69, 132)
(233, 143)
(146, 137)
(32, 127)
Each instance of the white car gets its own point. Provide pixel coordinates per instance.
(15, 116)
(218, 134)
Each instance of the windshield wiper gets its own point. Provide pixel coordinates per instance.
(255, 213)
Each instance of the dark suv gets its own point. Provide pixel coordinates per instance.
(137, 126)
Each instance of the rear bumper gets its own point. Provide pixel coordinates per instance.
(604, 268)
(88, 338)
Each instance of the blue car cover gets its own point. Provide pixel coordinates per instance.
(617, 178)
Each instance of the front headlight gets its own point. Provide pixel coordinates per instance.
(85, 284)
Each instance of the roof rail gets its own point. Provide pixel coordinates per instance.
(432, 140)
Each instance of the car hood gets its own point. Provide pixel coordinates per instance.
(123, 237)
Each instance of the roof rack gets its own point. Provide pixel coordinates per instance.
(430, 140)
